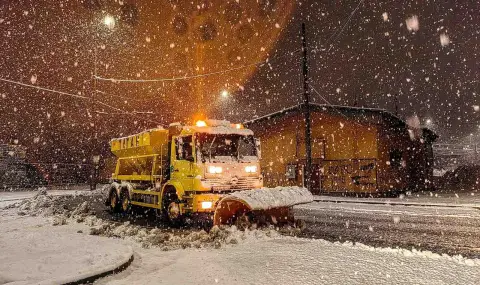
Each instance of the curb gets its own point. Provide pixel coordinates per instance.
(93, 278)
(395, 203)
(84, 278)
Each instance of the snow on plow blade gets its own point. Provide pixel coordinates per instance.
(274, 204)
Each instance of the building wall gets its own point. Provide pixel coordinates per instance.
(347, 156)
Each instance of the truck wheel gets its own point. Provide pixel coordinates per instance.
(171, 208)
(124, 200)
(114, 203)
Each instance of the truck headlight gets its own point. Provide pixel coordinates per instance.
(207, 205)
(251, 168)
(214, 169)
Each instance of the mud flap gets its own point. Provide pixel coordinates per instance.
(270, 205)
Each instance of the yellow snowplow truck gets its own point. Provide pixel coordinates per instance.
(210, 169)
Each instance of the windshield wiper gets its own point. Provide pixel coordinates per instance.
(210, 149)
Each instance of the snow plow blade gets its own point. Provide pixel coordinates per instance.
(270, 205)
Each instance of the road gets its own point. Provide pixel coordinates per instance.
(449, 225)
(442, 229)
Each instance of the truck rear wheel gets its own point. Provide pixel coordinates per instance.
(113, 201)
(171, 207)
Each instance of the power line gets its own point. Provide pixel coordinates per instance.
(44, 89)
(198, 75)
(331, 105)
(75, 96)
(338, 34)
(346, 23)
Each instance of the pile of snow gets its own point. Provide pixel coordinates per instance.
(167, 240)
(42, 204)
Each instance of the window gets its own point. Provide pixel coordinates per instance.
(291, 171)
(184, 148)
(396, 158)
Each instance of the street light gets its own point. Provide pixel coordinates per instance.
(95, 160)
(109, 21)
(224, 93)
(428, 122)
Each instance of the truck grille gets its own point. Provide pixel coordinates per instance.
(241, 183)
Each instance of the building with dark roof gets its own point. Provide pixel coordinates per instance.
(359, 150)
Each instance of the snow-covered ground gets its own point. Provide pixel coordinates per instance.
(33, 251)
(286, 260)
(468, 211)
(467, 199)
(8, 198)
(37, 250)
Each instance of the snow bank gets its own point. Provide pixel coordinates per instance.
(168, 239)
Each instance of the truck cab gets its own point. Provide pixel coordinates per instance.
(211, 159)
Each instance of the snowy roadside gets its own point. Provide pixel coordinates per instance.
(447, 200)
(35, 251)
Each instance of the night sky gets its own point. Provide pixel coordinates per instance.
(424, 53)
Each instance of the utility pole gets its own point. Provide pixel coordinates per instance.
(306, 111)
(396, 104)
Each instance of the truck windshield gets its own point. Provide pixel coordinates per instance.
(216, 147)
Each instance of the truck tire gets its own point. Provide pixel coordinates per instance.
(171, 208)
(114, 201)
(124, 201)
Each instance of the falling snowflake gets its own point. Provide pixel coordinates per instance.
(385, 16)
(33, 80)
(444, 40)
(172, 45)
(69, 79)
(148, 39)
(36, 140)
(338, 90)
(277, 25)
(476, 108)
(412, 23)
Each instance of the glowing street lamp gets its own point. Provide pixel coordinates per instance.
(224, 93)
(428, 122)
(109, 21)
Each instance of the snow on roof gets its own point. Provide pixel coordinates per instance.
(315, 106)
(220, 130)
(159, 128)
